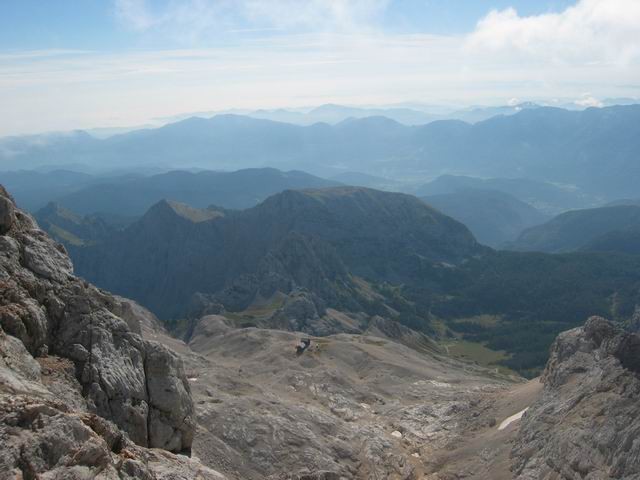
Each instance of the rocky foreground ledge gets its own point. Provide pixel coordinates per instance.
(586, 425)
(82, 394)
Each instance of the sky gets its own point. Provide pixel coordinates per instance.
(69, 64)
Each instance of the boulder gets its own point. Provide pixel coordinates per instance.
(171, 416)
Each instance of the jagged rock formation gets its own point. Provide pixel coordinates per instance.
(42, 438)
(586, 424)
(105, 371)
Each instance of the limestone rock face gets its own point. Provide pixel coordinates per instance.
(137, 384)
(586, 425)
(48, 432)
(171, 414)
(41, 439)
(7, 212)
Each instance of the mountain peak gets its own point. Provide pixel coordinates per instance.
(169, 208)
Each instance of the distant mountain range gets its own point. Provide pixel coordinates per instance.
(119, 197)
(613, 228)
(359, 179)
(544, 196)
(594, 150)
(33, 190)
(71, 229)
(333, 114)
(497, 210)
(239, 189)
(493, 217)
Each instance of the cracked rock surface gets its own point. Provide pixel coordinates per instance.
(77, 385)
(586, 425)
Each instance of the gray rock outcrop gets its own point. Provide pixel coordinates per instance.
(48, 313)
(586, 425)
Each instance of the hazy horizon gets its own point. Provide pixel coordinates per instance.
(67, 66)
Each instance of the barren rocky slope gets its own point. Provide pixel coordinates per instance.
(586, 423)
(80, 391)
(350, 407)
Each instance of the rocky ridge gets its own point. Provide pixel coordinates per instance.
(585, 425)
(81, 392)
(313, 239)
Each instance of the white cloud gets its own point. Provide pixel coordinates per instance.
(317, 52)
(588, 100)
(135, 14)
(340, 15)
(193, 20)
(39, 54)
(592, 31)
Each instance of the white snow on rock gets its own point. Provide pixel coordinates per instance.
(508, 421)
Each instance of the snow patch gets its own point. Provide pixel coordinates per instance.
(508, 421)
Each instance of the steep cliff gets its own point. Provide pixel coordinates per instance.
(586, 424)
(78, 383)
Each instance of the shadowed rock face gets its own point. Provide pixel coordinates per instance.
(314, 239)
(587, 422)
(137, 384)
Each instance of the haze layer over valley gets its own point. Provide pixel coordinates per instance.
(545, 144)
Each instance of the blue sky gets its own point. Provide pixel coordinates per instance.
(84, 63)
(95, 24)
